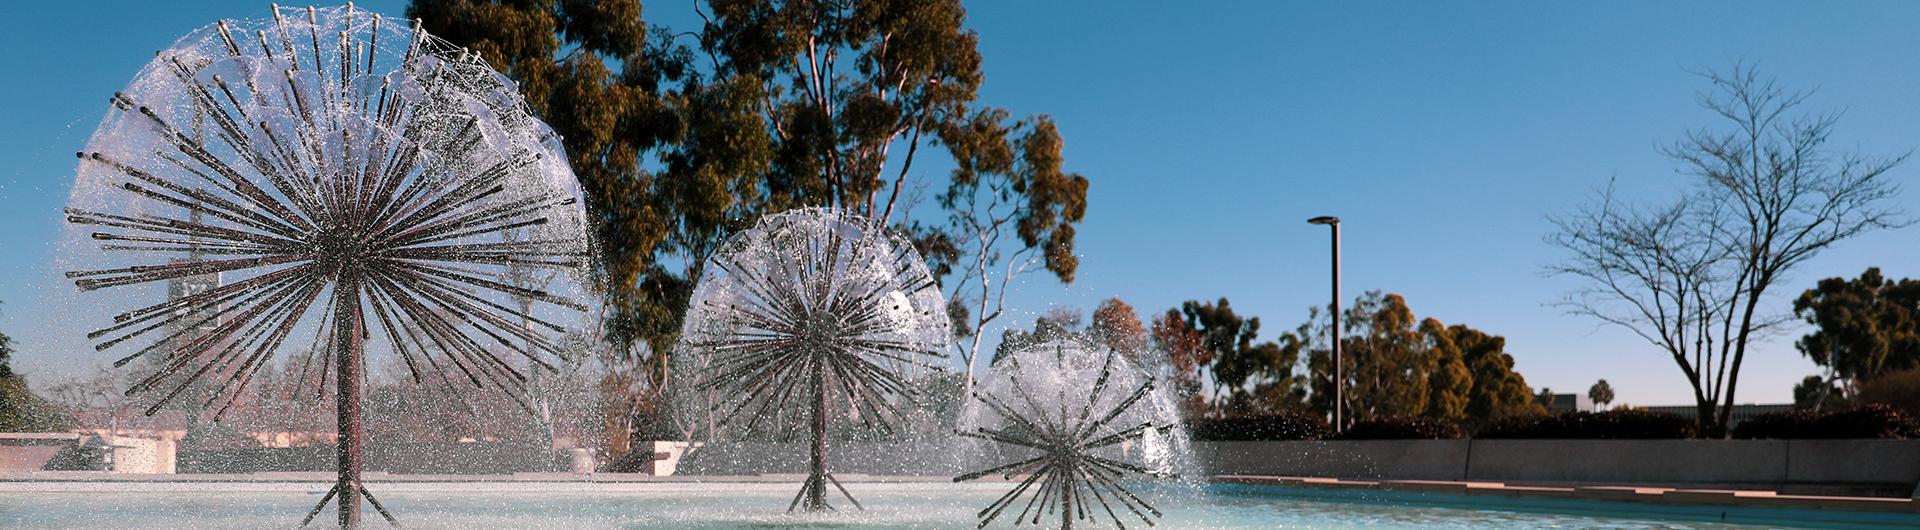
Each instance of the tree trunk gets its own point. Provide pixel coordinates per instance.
(1724, 423)
(1704, 414)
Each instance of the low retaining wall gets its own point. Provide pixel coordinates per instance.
(1399, 459)
(469, 458)
(928, 457)
(1880, 467)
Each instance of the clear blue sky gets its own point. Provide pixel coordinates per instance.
(1442, 135)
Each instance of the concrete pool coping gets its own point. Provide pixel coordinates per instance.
(1639, 494)
(91, 481)
(381, 477)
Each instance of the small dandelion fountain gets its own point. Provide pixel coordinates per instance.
(812, 315)
(1065, 414)
(333, 178)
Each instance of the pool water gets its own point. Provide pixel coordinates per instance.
(579, 506)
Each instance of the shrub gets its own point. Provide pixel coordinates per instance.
(1788, 424)
(1401, 428)
(1623, 424)
(1871, 421)
(1264, 428)
(1901, 390)
(23, 411)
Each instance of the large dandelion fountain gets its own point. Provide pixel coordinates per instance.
(1071, 423)
(809, 317)
(329, 179)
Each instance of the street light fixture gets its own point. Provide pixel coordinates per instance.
(1339, 379)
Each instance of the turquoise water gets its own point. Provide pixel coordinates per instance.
(712, 506)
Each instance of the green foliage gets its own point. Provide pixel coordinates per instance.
(1449, 374)
(23, 411)
(6, 356)
(1450, 383)
(20, 409)
(1114, 325)
(611, 97)
(1815, 392)
(679, 141)
(1249, 377)
(1390, 360)
(1601, 393)
(1060, 322)
(1900, 390)
(1863, 327)
(1393, 368)
(1498, 391)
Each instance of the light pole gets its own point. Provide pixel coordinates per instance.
(1339, 379)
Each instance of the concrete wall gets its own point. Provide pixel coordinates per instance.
(143, 455)
(31, 451)
(667, 456)
(930, 458)
(1889, 463)
(482, 458)
(1630, 461)
(1399, 459)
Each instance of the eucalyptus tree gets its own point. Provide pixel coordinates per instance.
(1863, 327)
(684, 136)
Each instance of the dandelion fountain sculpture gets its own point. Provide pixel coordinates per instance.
(1067, 414)
(334, 178)
(816, 308)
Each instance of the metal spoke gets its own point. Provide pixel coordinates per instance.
(296, 183)
(1057, 441)
(790, 327)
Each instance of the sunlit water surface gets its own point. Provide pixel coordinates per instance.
(704, 506)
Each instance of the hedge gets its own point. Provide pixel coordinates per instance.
(1871, 421)
(1401, 428)
(1624, 424)
(1267, 428)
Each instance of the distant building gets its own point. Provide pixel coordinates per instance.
(1559, 403)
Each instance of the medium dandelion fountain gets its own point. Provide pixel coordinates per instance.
(810, 316)
(333, 178)
(1078, 422)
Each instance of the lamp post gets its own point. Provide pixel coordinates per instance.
(1339, 379)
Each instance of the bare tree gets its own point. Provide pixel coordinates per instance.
(101, 389)
(1692, 276)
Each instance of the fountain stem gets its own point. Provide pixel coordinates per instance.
(351, 437)
(816, 486)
